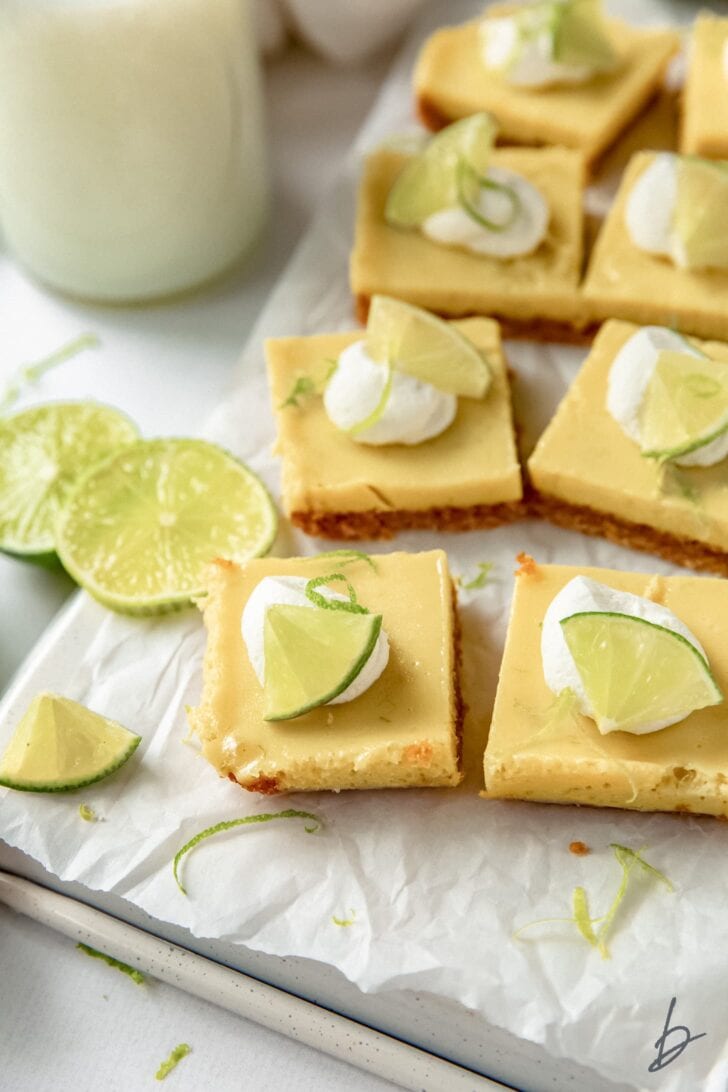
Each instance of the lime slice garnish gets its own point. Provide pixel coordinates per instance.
(61, 745)
(433, 180)
(637, 674)
(426, 347)
(140, 528)
(312, 656)
(580, 38)
(700, 220)
(42, 453)
(685, 405)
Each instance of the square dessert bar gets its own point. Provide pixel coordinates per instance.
(539, 751)
(588, 475)
(535, 295)
(451, 82)
(466, 477)
(704, 129)
(404, 731)
(625, 282)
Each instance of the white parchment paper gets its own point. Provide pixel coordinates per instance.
(436, 881)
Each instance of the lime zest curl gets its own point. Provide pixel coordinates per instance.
(344, 922)
(628, 860)
(467, 178)
(30, 374)
(181, 1051)
(479, 581)
(218, 828)
(302, 388)
(117, 964)
(352, 605)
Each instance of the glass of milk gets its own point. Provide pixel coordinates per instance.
(131, 142)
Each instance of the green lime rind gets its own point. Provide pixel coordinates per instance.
(637, 672)
(670, 453)
(60, 745)
(43, 452)
(313, 656)
(140, 528)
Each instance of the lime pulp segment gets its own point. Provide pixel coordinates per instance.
(312, 656)
(140, 528)
(61, 745)
(685, 405)
(579, 35)
(700, 219)
(426, 347)
(637, 676)
(431, 181)
(43, 451)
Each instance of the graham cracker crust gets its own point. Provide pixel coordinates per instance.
(636, 536)
(537, 329)
(384, 524)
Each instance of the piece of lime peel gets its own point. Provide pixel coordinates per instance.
(304, 386)
(352, 604)
(181, 1051)
(348, 557)
(628, 859)
(135, 975)
(218, 828)
(344, 922)
(87, 813)
(479, 581)
(30, 374)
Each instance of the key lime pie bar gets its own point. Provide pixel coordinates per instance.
(332, 672)
(638, 449)
(461, 229)
(662, 254)
(705, 99)
(406, 426)
(551, 72)
(611, 692)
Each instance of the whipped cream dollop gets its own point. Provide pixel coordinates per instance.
(521, 47)
(413, 412)
(290, 590)
(629, 377)
(515, 232)
(584, 594)
(650, 210)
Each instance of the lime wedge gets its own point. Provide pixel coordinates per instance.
(61, 745)
(425, 346)
(139, 529)
(42, 453)
(433, 180)
(580, 38)
(700, 220)
(312, 656)
(637, 676)
(685, 405)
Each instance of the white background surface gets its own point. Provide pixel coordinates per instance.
(66, 1021)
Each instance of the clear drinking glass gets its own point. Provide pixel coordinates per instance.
(131, 142)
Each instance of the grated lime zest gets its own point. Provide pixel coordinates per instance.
(117, 964)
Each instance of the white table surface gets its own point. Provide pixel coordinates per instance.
(66, 1021)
